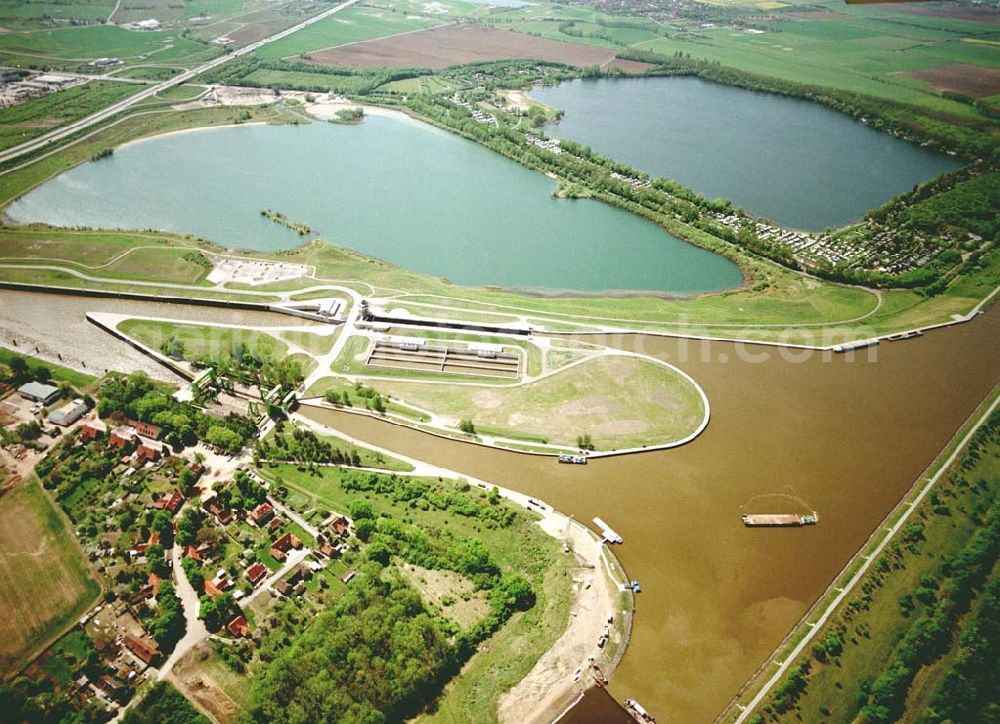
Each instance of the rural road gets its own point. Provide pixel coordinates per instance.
(195, 631)
(115, 108)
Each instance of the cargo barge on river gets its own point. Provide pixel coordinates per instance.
(779, 520)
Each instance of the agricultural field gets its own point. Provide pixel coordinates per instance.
(46, 581)
(459, 44)
(24, 121)
(968, 80)
(620, 401)
(24, 14)
(132, 11)
(353, 25)
(98, 41)
(860, 48)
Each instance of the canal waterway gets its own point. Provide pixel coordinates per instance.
(793, 161)
(790, 432)
(390, 187)
(55, 327)
(843, 438)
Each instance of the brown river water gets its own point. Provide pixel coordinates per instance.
(844, 438)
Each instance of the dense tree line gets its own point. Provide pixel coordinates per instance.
(163, 705)
(970, 690)
(168, 625)
(137, 397)
(304, 446)
(376, 656)
(932, 632)
(424, 495)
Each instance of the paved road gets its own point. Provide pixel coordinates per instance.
(105, 113)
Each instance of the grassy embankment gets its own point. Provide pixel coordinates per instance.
(79, 380)
(33, 117)
(919, 596)
(204, 340)
(509, 654)
(47, 583)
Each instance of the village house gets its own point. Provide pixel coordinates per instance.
(238, 627)
(145, 453)
(280, 547)
(121, 438)
(256, 573)
(88, 433)
(340, 526)
(171, 503)
(261, 514)
(146, 652)
(212, 507)
(144, 428)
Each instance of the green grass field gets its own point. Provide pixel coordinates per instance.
(117, 255)
(32, 118)
(620, 401)
(349, 26)
(98, 41)
(24, 14)
(79, 380)
(312, 343)
(47, 584)
(203, 341)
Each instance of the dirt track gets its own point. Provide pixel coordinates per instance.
(457, 44)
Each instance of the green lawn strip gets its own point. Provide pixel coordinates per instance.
(80, 380)
(359, 401)
(317, 344)
(203, 340)
(69, 281)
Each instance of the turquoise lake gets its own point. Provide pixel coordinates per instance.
(391, 188)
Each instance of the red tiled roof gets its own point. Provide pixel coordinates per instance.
(256, 572)
(238, 627)
(145, 651)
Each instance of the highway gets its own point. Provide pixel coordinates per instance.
(116, 108)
